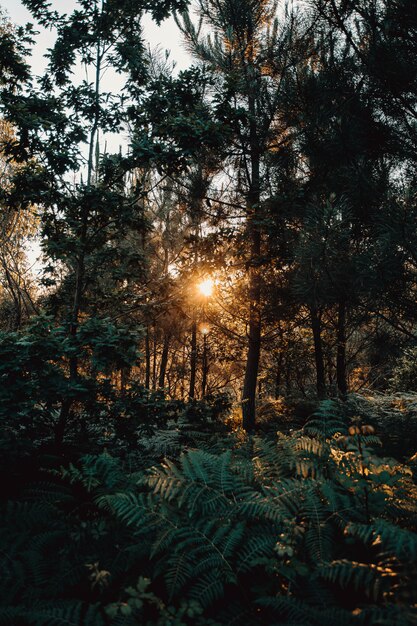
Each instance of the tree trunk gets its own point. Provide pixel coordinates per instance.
(254, 235)
(147, 360)
(278, 376)
(124, 379)
(154, 359)
(341, 376)
(182, 377)
(288, 384)
(164, 362)
(330, 367)
(15, 296)
(205, 367)
(318, 354)
(193, 362)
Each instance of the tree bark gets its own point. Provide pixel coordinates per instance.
(318, 354)
(278, 377)
(193, 361)
(16, 298)
(164, 362)
(124, 379)
(341, 375)
(205, 367)
(147, 359)
(182, 377)
(154, 358)
(254, 234)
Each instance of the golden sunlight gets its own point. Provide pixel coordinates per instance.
(205, 287)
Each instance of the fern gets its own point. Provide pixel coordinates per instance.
(386, 538)
(63, 614)
(256, 549)
(288, 608)
(372, 579)
(177, 573)
(328, 420)
(298, 613)
(96, 471)
(281, 519)
(207, 590)
(271, 459)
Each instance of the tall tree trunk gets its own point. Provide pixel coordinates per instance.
(330, 367)
(341, 375)
(147, 359)
(288, 384)
(205, 367)
(16, 298)
(182, 377)
(154, 358)
(254, 235)
(164, 361)
(193, 361)
(124, 379)
(278, 376)
(318, 354)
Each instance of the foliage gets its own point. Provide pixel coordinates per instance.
(34, 372)
(306, 529)
(280, 169)
(393, 415)
(404, 372)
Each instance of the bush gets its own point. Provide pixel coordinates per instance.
(404, 373)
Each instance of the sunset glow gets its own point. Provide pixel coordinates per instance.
(205, 287)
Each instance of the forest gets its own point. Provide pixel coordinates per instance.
(208, 317)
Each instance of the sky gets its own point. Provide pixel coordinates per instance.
(166, 36)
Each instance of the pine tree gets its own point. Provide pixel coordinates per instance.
(247, 50)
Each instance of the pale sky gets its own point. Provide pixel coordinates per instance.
(166, 36)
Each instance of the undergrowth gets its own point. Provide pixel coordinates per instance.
(308, 529)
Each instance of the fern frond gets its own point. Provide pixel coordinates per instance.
(255, 549)
(60, 614)
(207, 590)
(389, 615)
(177, 573)
(369, 578)
(49, 493)
(233, 540)
(271, 460)
(288, 608)
(25, 516)
(320, 542)
(327, 420)
(299, 613)
(141, 511)
(95, 471)
(387, 537)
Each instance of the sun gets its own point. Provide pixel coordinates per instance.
(205, 287)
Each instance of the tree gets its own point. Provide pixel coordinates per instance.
(343, 153)
(83, 222)
(18, 293)
(248, 51)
